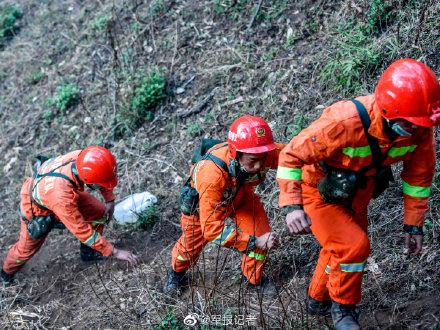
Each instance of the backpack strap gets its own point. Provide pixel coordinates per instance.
(372, 141)
(217, 161)
(52, 173)
(57, 174)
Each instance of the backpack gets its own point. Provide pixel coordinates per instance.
(189, 197)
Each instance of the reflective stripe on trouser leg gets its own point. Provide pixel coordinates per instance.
(318, 286)
(252, 266)
(23, 250)
(188, 247)
(342, 232)
(251, 218)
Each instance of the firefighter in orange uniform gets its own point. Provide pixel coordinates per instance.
(222, 185)
(55, 197)
(329, 173)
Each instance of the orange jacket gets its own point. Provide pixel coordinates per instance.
(59, 196)
(215, 188)
(338, 138)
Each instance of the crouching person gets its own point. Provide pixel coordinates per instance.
(55, 197)
(330, 171)
(221, 186)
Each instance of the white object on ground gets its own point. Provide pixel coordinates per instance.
(127, 210)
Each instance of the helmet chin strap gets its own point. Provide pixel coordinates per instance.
(397, 128)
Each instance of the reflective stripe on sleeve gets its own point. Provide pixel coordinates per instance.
(415, 191)
(327, 269)
(289, 173)
(179, 257)
(257, 256)
(397, 152)
(357, 152)
(354, 267)
(92, 239)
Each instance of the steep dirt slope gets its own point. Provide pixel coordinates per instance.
(282, 60)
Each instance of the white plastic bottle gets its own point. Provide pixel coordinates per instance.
(127, 210)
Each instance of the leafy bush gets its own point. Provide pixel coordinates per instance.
(99, 23)
(66, 96)
(149, 94)
(168, 322)
(358, 57)
(35, 77)
(147, 218)
(359, 54)
(299, 123)
(8, 22)
(378, 14)
(194, 130)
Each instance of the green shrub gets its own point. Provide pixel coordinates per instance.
(35, 77)
(149, 94)
(66, 96)
(357, 58)
(168, 322)
(8, 22)
(299, 123)
(48, 115)
(156, 7)
(100, 23)
(147, 218)
(194, 130)
(378, 14)
(358, 54)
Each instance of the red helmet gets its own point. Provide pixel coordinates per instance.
(251, 135)
(409, 89)
(97, 165)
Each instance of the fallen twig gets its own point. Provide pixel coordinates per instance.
(199, 107)
(255, 15)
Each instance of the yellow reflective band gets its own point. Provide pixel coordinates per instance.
(92, 239)
(397, 152)
(353, 268)
(179, 257)
(19, 261)
(289, 173)
(257, 256)
(226, 233)
(357, 152)
(415, 191)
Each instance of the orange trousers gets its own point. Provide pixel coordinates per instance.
(249, 216)
(342, 234)
(26, 247)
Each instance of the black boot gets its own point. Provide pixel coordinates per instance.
(88, 254)
(173, 286)
(266, 287)
(7, 279)
(345, 317)
(320, 308)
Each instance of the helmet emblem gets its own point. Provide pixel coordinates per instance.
(260, 131)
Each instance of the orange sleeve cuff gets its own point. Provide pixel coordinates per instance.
(290, 192)
(106, 248)
(415, 210)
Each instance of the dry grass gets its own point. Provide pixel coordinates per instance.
(205, 47)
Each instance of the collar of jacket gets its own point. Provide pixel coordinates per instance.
(377, 127)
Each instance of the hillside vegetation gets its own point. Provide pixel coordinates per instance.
(149, 80)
